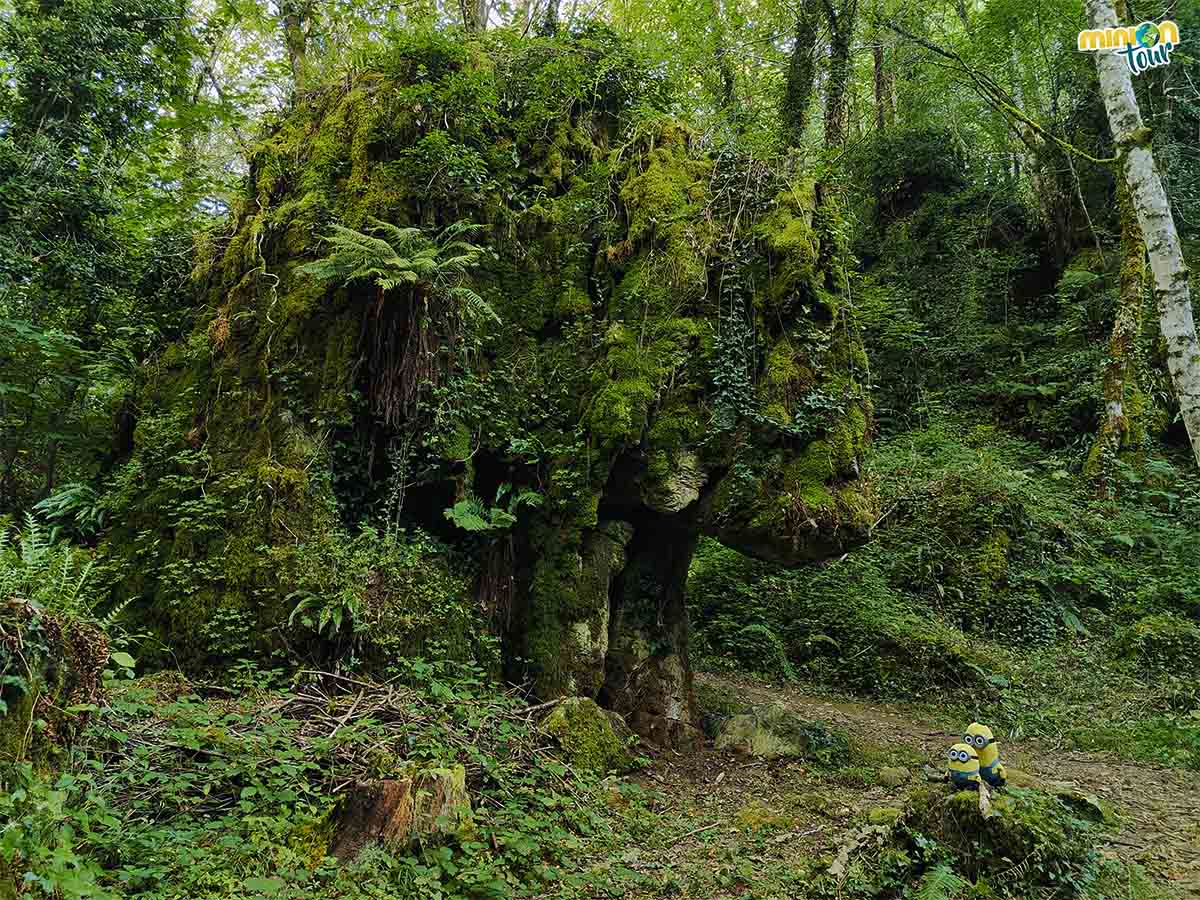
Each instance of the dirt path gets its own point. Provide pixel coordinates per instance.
(713, 793)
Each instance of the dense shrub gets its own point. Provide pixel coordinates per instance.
(1161, 645)
(983, 535)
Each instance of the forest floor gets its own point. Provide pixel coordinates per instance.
(748, 827)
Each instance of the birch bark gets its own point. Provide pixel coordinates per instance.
(1171, 291)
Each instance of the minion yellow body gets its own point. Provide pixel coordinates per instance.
(980, 738)
(962, 767)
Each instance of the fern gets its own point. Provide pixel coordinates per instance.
(405, 256)
(469, 515)
(51, 575)
(941, 883)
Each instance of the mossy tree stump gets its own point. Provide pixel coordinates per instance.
(673, 357)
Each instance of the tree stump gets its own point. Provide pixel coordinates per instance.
(398, 812)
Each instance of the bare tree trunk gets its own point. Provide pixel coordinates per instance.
(801, 76)
(841, 29)
(1158, 225)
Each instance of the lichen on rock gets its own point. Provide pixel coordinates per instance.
(772, 731)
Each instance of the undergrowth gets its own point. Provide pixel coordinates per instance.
(190, 789)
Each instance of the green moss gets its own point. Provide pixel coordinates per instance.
(608, 249)
(790, 234)
(1024, 824)
(312, 837)
(16, 726)
(586, 734)
(757, 816)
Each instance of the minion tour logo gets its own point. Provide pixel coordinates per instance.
(1144, 46)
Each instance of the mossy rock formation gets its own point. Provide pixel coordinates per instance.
(674, 357)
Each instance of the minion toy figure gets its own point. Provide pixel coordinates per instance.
(963, 767)
(981, 739)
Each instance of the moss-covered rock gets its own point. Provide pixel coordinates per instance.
(1023, 824)
(669, 356)
(772, 731)
(893, 776)
(592, 738)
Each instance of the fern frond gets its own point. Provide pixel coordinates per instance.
(407, 257)
(472, 304)
(941, 883)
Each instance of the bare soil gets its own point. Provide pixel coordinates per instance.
(721, 801)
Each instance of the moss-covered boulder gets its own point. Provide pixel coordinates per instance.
(773, 731)
(1061, 840)
(652, 345)
(591, 737)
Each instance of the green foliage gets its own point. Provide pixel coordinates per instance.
(51, 652)
(984, 534)
(52, 575)
(405, 256)
(87, 273)
(374, 597)
(941, 883)
(470, 514)
(75, 508)
(178, 795)
(1161, 645)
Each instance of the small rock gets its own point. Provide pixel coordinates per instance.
(592, 738)
(772, 731)
(893, 776)
(884, 815)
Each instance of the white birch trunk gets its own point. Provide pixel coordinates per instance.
(1158, 225)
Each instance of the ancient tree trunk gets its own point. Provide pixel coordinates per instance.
(801, 76)
(841, 30)
(1158, 225)
(648, 678)
(1118, 425)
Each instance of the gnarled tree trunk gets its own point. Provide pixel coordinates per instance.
(1158, 225)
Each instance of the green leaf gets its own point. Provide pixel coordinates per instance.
(263, 885)
(123, 659)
